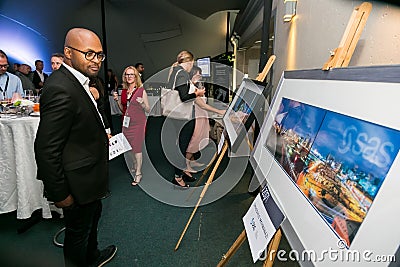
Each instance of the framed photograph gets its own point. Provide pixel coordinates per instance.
(328, 149)
(246, 106)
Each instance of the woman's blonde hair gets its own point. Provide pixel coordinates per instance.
(184, 56)
(137, 77)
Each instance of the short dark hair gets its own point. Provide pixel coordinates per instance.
(56, 55)
(38, 60)
(138, 64)
(3, 54)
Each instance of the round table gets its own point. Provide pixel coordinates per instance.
(19, 188)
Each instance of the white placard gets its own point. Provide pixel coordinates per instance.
(261, 222)
(118, 144)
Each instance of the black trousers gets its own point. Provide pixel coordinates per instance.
(80, 242)
(184, 130)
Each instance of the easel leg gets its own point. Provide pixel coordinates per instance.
(209, 181)
(272, 248)
(232, 250)
(271, 252)
(203, 175)
(207, 168)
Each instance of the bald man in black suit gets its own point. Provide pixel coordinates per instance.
(71, 148)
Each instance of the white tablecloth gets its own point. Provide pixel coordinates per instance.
(19, 188)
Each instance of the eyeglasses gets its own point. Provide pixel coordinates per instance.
(4, 66)
(129, 74)
(89, 55)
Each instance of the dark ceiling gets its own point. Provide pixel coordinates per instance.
(205, 8)
(151, 31)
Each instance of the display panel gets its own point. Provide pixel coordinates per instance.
(244, 109)
(205, 65)
(328, 149)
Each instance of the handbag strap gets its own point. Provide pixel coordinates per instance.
(173, 86)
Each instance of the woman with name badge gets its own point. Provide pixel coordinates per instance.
(133, 104)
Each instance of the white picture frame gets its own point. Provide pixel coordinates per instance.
(243, 110)
(368, 94)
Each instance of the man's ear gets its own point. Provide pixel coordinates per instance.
(67, 53)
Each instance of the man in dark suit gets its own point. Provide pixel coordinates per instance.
(38, 76)
(71, 148)
(140, 68)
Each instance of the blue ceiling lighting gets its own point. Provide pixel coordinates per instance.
(23, 44)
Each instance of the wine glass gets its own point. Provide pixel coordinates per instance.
(4, 103)
(29, 95)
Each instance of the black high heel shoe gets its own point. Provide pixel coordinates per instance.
(176, 182)
(188, 178)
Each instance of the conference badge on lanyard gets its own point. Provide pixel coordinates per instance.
(125, 122)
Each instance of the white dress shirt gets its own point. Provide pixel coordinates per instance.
(85, 83)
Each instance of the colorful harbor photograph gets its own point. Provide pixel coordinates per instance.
(242, 108)
(337, 161)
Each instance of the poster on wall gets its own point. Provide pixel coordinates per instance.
(329, 150)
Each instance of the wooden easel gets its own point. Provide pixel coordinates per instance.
(273, 245)
(340, 57)
(260, 77)
(209, 181)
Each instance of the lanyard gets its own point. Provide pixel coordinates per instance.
(5, 88)
(129, 99)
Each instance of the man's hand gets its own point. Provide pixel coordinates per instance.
(65, 203)
(115, 96)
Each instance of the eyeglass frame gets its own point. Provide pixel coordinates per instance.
(130, 74)
(96, 54)
(4, 66)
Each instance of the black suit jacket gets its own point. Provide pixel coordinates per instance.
(71, 146)
(36, 79)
